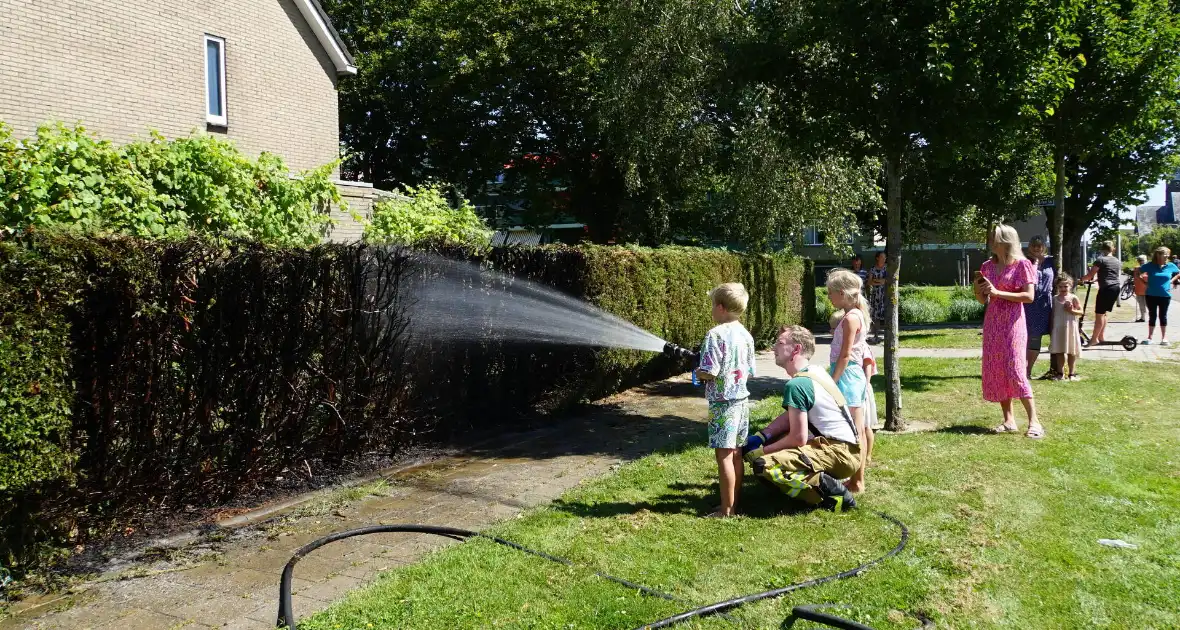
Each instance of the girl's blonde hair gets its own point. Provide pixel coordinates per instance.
(844, 282)
(1064, 277)
(1005, 235)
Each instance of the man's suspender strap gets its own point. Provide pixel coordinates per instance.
(824, 380)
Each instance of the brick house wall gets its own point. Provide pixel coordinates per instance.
(123, 67)
(358, 198)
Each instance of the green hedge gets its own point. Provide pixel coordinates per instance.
(921, 305)
(181, 372)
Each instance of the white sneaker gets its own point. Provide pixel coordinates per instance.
(1163, 342)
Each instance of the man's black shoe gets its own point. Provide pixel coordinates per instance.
(836, 497)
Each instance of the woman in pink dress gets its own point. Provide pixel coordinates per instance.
(1005, 284)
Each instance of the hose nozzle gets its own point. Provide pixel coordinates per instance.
(679, 352)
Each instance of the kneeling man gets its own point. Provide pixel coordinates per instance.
(807, 449)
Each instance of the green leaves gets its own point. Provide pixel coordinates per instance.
(423, 215)
(64, 177)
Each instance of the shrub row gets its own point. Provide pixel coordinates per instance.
(146, 376)
(65, 177)
(921, 305)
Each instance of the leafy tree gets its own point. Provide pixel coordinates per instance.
(925, 84)
(455, 90)
(1113, 134)
(424, 215)
(618, 114)
(1160, 237)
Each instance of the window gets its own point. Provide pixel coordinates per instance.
(813, 237)
(215, 81)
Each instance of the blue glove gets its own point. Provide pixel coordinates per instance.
(756, 441)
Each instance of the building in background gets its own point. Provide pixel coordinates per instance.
(1148, 218)
(261, 74)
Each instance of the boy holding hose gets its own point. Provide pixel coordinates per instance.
(727, 363)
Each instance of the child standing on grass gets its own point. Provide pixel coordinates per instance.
(1065, 344)
(869, 365)
(727, 363)
(847, 357)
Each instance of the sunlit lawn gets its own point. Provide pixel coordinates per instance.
(1004, 528)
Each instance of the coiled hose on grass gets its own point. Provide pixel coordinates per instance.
(286, 617)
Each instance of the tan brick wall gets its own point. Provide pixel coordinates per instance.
(122, 67)
(358, 200)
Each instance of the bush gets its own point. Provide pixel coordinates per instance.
(922, 311)
(172, 372)
(424, 215)
(965, 310)
(66, 178)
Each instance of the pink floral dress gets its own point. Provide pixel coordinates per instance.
(1005, 335)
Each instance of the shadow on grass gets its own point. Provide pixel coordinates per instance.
(758, 500)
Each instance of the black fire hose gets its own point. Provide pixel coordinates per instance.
(286, 618)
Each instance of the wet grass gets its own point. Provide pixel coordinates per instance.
(1004, 529)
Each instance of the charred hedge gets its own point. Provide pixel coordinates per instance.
(139, 376)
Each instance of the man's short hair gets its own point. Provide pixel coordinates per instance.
(800, 335)
(731, 296)
(1107, 247)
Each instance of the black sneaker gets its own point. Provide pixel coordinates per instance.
(837, 498)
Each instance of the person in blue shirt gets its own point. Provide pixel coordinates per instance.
(1161, 275)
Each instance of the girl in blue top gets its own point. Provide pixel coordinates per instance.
(1160, 274)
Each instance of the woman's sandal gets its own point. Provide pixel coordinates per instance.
(1003, 428)
(1035, 433)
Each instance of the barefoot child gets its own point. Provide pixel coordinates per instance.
(847, 356)
(869, 365)
(727, 363)
(1065, 343)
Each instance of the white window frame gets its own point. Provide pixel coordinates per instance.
(812, 237)
(223, 119)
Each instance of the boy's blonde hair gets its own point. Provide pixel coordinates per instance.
(800, 335)
(849, 285)
(1005, 235)
(731, 296)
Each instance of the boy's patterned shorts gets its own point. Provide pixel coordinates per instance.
(729, 423)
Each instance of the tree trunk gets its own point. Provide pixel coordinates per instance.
(1057, 222)
(1074, 263)
(893, 416)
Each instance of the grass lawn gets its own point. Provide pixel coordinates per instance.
(958, 338)
(1004, 529)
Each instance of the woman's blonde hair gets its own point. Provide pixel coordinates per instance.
(1161, 251)
(848, 284)
(1005, 235)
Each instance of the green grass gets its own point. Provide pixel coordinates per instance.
(1004, 529)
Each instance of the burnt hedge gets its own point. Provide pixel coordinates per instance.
(143, 376)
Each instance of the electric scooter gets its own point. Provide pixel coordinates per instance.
(1128, 343)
